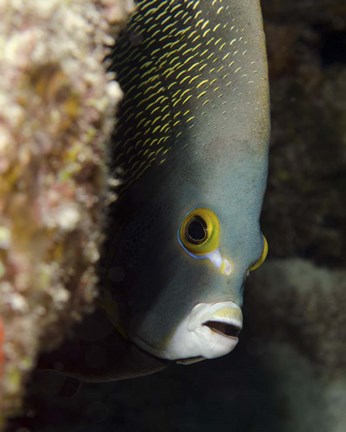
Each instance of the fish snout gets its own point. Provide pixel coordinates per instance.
(209, 331)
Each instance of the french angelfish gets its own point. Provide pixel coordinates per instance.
(191, 148)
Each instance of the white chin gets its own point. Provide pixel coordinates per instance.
(192, 338)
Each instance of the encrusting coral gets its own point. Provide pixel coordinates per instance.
(57, 108)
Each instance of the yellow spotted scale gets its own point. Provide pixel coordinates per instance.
(174, 60)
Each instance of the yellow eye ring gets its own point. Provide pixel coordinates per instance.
(200, 231)
(262, 258)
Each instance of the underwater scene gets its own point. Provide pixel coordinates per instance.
(208, 291)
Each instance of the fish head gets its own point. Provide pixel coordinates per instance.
(189, 238)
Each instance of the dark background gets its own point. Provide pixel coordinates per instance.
(288, 372)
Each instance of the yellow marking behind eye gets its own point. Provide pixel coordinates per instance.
(262, 258)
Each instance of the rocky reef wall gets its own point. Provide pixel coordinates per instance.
(57, 111)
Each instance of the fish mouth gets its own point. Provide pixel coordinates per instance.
(223, 328)
(208, 331)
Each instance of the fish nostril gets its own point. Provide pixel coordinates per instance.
(226, 329)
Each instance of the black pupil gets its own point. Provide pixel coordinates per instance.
(197, 230)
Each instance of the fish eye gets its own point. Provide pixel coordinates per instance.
(262, 258)
(196, 230)
(200, 231)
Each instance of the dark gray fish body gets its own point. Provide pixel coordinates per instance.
(192, 144)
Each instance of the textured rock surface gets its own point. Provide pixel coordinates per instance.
(57, 112)
(298, 327)
(305, 305)
(304, 212)
(295, 308)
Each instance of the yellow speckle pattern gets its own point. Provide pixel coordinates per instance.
(174, 62)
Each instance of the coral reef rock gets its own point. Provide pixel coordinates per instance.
(298, 317)
(304, 212)
(57, 113)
